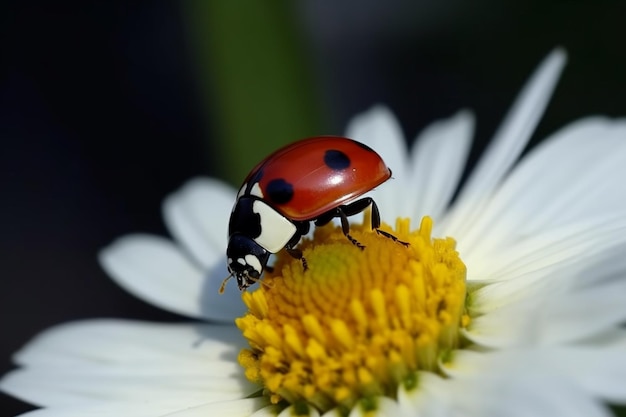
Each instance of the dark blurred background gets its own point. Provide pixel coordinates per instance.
(107, 107)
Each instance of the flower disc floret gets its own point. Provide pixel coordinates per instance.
(357, 323)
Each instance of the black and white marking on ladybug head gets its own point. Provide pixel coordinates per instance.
(256, 230)
(246, 260)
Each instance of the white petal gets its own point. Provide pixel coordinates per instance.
(291, 411)
(104, 410)
(236, 408)
(431, 398)
(167, 387)
(596, 371)
(268, 411)
(538, 397)
(533, 305)
(549, 253)
(197, 215)
(335, 412)
(127, 342)
(559, 303)
(379, 129)
(437, 162)
(115, 360)
(565, 320)
(385, 407)
(506, 146)
(590, 157)
(575, 175)
(511, 385)
(600, 371)
(242, 407)
(155, 270)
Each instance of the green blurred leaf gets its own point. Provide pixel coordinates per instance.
(254, 73)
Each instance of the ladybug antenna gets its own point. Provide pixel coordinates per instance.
(253, 279)
(260, 281)
(221, 290)
(267, 284)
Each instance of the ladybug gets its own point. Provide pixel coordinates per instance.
(312, 180)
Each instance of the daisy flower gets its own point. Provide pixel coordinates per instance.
(508, 301)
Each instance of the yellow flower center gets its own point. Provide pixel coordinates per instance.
(357, 323)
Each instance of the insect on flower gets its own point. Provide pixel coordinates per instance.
(312, 180)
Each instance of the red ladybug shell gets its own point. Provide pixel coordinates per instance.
(307, 178)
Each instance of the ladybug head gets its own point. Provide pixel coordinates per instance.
(246, 260)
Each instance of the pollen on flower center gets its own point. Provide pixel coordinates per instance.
(357, 323)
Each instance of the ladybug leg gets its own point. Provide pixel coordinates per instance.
(376, 225)
(326, 218)
(343, 212)
(345, 225)
(297, 254)
(360, 205)
(302, 229)
(392, 237)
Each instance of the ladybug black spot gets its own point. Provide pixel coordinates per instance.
(336, 160)
(279, 191)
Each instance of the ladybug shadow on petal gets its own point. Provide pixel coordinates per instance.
(224, 306)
